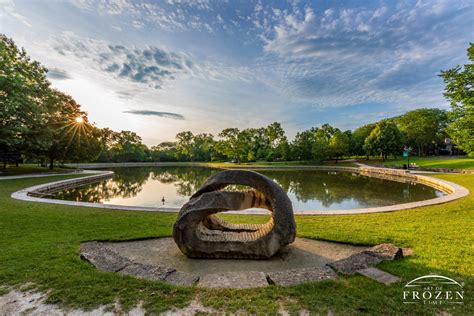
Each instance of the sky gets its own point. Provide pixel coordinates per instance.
(161, 67)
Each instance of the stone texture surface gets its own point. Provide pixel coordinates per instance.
(182, 278)
(379, 275)
(146, 271)
(236, 280)
(385, 252)
(199, 234)
(354, 263)
(113, 257)
(103, 258)
(298, 276)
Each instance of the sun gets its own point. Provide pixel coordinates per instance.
(79, 119)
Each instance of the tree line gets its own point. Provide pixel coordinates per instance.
(40, 123)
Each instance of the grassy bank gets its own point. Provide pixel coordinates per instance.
(25, 169)
(40, 245)
(427, 162)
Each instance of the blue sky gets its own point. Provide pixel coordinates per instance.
(160, 67)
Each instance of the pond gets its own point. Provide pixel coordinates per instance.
(307, 189)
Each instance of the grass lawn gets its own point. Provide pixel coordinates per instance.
(39, 245)
(456, 162)
(341, 163)
(12, 170)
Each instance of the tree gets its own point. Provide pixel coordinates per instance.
(459, 91)
(423, 127)
(358, 140)
(23, 90)
(384, 139)
(230, 144)
(184, 144)
(165, 151)
(276, 138)
(203, 147)
(302, 145)
(128, 146)
(321, 149)
(68, 135)
(339, 144)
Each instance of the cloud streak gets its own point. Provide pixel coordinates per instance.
(174, 116)
(58, 74)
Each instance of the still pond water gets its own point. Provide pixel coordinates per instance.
(307, 189)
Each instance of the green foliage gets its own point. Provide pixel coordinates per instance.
(459, 90)
(23, 90)
(423, 127)
(358, 139)
(384, 139)
(65, 137)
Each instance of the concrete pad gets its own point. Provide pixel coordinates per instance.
(235, 280)
(379, 275)
(303, 253)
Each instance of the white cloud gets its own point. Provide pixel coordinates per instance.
(7, 7)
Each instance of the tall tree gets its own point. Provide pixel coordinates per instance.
(459, 90)
(23, 90)
(68, 133)
(184, 144)
(339, 144)
(302, 145)
(230, 144)
(384, 139)
(423, 127)
(358, 140)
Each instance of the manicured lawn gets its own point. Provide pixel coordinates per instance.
(39, 245)
(341, 163)
(12, 170)
(428, 162)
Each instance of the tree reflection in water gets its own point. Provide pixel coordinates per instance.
(310, 189)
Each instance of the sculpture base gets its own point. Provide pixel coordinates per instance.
(160, 259)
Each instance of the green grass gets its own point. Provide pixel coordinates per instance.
(39, 245)
(427, 162)
(341, 163)
(12, 170)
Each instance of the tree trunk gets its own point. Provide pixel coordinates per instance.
(51, 163)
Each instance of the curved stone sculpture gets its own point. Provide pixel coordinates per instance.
(200, 234)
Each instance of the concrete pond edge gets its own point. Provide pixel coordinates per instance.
(40, 193)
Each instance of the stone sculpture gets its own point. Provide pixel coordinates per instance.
(200, 234)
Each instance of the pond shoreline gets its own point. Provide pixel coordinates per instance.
(452, 190)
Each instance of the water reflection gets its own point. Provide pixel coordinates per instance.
(308, 189)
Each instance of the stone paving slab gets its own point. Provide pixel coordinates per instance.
(379, 275)
(235, 280)
(104, 259)
(299, 276)
(146, 271)
(354, 263)
(107, 258)
(182, 278)
(385, 252)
